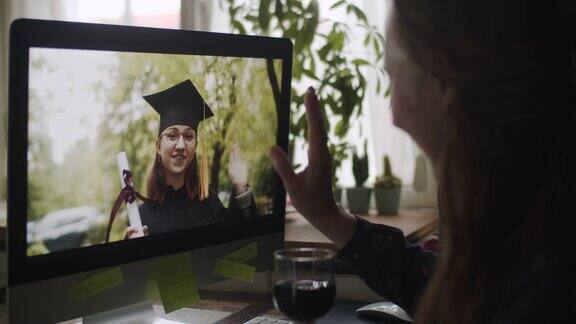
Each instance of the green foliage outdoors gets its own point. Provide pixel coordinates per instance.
(360, 166)
(387, 179)
(337, 74)
(237, 90)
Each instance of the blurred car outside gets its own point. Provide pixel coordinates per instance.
(66, 228)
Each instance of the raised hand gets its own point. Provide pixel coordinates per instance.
(238, 170)
(311, 190)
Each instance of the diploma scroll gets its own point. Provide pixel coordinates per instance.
(132, 207)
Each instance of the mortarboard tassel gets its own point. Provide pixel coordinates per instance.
(203, 172)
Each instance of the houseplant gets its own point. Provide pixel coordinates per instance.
(387, 190)
(337, 154)
(323, 56)
(359, 197)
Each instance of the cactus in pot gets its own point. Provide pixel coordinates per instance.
(359, 196)
(387, 190)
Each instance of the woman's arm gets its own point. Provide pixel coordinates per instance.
(388, 264)
(378, 254)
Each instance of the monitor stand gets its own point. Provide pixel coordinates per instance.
(137, 313)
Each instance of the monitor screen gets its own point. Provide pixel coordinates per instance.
(129, 145)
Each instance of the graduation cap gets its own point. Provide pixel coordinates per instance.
(180, 104)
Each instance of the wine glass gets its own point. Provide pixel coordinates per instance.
(304, 289)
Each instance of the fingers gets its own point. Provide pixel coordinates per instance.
(235, 155)
(130, 231)
(318, 155)
(316, 131)
(282, 165)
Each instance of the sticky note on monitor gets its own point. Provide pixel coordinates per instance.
(97, 284)
(234, 270)
(176, 282)
(243, 254)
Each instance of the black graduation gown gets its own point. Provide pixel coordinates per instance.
(179, 212)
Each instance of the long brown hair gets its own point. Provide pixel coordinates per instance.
(507, 188)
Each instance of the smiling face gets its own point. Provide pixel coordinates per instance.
(176, 147)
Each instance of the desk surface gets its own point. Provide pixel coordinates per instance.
(416, 223)
(228, 308)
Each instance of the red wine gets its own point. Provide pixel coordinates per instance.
(304, 299)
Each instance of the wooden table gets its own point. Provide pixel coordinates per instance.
(416, 223)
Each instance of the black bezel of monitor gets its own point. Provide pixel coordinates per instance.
(28, 33)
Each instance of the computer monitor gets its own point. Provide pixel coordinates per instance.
(100, 114)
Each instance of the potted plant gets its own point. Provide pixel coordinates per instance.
(387, 191)
(337, 191)
(338, 155)
(359, 196)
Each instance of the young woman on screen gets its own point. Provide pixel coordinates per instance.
(486, 88)
(177, 187)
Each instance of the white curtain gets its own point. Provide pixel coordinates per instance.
(197, 14)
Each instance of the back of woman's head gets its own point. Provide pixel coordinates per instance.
(508, 182)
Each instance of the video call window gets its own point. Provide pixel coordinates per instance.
(194, 130)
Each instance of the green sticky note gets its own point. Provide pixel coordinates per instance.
(234, 270)
(244, 254)
(176, 282)
(97, 284)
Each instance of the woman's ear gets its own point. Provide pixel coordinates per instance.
(157, 144)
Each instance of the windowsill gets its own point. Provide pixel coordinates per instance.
(415, 223)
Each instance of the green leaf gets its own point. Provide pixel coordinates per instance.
(301, 124)
(341, 128)
(239, 27)
(264, 14)
(323, 52)
(360, 62)
(367, 39)
(339, 40)
(333, 105)
(278, 10)
(359, 14)
(310, 25)
(338, 4)
(312, 66)
(252, 19)
(297, 68)
(309, 74)
(377, 47)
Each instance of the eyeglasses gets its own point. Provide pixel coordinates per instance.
(172, 136)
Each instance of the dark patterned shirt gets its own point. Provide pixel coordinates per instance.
(399, 271)
(388, 264)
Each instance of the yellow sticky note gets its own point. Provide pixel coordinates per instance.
(244, 254)
(176, 282)
(97, 284)
(234, 270)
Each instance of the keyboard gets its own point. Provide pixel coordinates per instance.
(267, 320)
